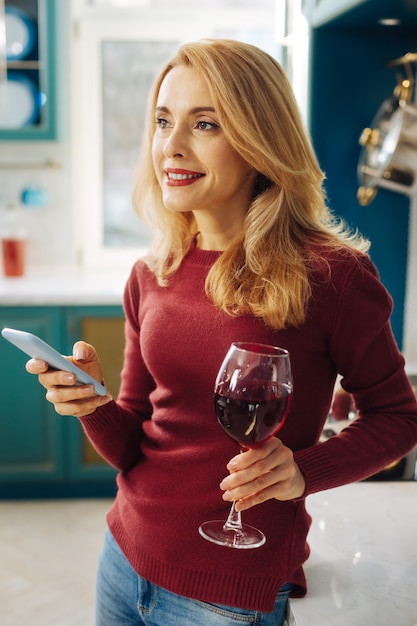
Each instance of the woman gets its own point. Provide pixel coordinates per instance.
(247, 250)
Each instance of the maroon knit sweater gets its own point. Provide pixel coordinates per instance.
(163, 436)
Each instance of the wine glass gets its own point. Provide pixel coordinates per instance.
(252, 397)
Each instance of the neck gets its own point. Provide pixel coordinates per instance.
(216, 241)
(217, 229)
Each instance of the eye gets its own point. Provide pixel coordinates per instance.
(161, 122)
(204, 125)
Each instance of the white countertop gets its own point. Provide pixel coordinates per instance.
(62, 286)
(362, 570)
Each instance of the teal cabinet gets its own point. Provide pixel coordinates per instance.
(27, 71)
(43, 454)
(31, 436)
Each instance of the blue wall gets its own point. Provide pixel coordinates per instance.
(349, 81)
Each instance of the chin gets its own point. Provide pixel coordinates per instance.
(176, 206)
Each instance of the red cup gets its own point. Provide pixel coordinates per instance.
(13, 257)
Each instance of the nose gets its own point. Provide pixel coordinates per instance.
(176, 144)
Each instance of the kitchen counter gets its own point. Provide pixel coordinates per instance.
(363, 564)
(62, 286)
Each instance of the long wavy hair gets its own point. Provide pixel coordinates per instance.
(265, 271)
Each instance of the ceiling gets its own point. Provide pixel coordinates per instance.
(368, 14)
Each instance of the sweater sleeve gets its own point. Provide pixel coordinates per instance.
(365, 353)
(115, 430)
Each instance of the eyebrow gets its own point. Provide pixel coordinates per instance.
(193, 111)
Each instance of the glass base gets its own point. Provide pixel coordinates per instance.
(243, 539)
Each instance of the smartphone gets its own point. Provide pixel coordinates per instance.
(39, 349)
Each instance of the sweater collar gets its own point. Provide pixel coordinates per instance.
(202, 257)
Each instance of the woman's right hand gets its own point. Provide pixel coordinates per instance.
(61, 390)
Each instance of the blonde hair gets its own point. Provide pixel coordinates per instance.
(265, 272)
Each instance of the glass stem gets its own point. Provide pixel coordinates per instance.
(234, 520)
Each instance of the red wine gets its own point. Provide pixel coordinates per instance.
(253, 422)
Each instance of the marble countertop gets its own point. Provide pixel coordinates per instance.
(363, 564)
(63, 286)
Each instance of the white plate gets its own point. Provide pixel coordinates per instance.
(20, 34)
(18, 102)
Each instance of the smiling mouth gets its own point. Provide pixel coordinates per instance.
(176, 176)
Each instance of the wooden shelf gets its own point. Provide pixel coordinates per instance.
(22, 65)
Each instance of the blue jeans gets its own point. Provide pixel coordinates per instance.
(126, 599)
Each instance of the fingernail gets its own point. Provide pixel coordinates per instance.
(224, 483)
(69, 378)
(80, 354)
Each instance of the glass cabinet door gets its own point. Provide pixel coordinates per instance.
(27, 109)
(102, 327)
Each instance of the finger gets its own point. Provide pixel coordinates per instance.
(58, 394)
(289, 486)
(255, 465)
(49, 377)
(254, 485)
(285, 482)
(85, 356)
(84, 352)
(257, 498)
(80, 351)
(80, 408)
(250, 456)
(277, 469)
(36, 366)
(57, 378)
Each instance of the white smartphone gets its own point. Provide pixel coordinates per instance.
(39, 349)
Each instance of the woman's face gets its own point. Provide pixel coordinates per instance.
(196, 167)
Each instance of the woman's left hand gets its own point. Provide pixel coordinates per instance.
(261, 473)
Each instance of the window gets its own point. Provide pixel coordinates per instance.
(117, 49)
